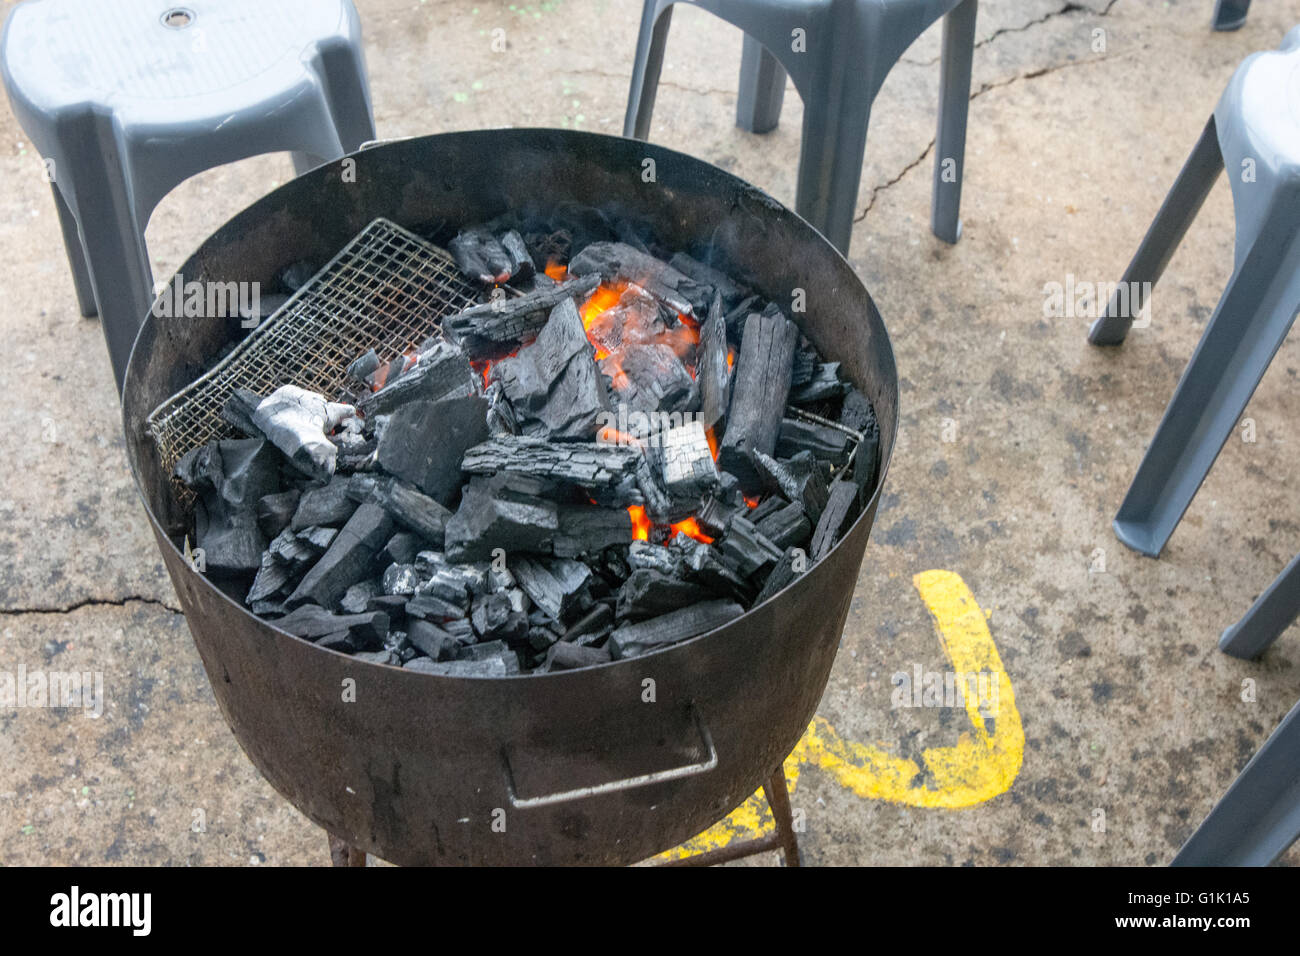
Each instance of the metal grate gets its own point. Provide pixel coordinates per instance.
(388, 289)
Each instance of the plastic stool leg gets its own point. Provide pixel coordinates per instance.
(954, 100)
(646, 66)
(1230, 14)
(762, 88)
(1259, 817)
(76, 255)
(1165, 233)
(1270, 615)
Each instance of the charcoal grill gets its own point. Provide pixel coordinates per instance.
(608, 764)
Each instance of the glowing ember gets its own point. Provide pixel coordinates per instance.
(556, 271)
(640, 523)
(691, 528)
(713, 442)
(751, 502)
(612, 436)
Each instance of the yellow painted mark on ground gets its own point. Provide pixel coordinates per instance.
(979, 767)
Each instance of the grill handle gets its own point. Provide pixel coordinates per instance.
(613, 786)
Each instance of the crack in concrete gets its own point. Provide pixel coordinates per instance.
(1070, 7)
(89, 602)
(876, 190)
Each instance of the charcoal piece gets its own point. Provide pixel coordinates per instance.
(645, 555)
(461, 629)
(617, 260)
(496, 617)
(632, 640)
(803, 366)
(588, 529)
(788, 527)
(488, 258)
(230, 477)
(651, 378)
(406, 505)
(554, 586)
(357, 598)
(350, 558)
(394, 605)
(484, 650)
(566, 657)
(839, 505)
(401, 548)
(711, 370)
(432, 640)
(296, 554)
(824, 443)
(761, 385)
(684, 461)
(636, 318)
(401, 579)
(706, 275)
(275, 511)
(715, 514)
(272, 577)
(587, 464)
(238, 408)
(856, 412)
(340, 641)
(738, 313)
(823, 383)
(451, 582)
(553, 386)
(703, 564)
(367, 631)
(649, 593)
(540, 638)
(298, 422)
(328, 505)
(492, 667)
(424, 441)
(316, 538)
(768, 506)
(599, 620)
(793, 563)
(381, 656)
(483, 330)
(363, 366)
(798, 478)
(492, 515)
(746, 549)
(442, 371)
(430, 607)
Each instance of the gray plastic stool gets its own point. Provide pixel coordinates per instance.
(1259, 817)
(1230, 14)
(1270, 615)
(1255, 130)
(127, 98)
(850, 47)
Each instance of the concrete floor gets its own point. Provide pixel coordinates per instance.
(1127, 706)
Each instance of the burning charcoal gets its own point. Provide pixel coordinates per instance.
(401, 548)
(823, 383)
(793, 563)
(356, 600)
(436, 643)
(489, 259)
(635, 318)
(554, 586)
(711, 370)
(429, 607)
(493, 514)
(823, 442)
(230, 477)
(746, 549)
(482, 330)
(298, 422)
(651, 378)
(616, 260)
(367, 631)
(719, 282)
(587, 529)
(758, 396)
(632, 640)
(566, 657)
(401, 579)
(590, 465)
(785, 527)
(649, 593)
(408, 507)
(798, 478)
(363, 366)
(442, 371)
(684, 460)
(327, 505)
(238, 408)
(553, 385)
(424, 442)
(834, 517)
(274, 512)
(492, 667)
(350, 558)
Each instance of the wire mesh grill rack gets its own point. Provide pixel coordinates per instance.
(388, 289)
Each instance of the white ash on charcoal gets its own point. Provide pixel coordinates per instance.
(622, 449)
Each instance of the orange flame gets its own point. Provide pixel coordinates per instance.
(713, 442)
(556, 271)
(640, 523)
(751, 502)
(691, 528)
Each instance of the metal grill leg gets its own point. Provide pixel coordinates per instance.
(343, 853)
(778, 798)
